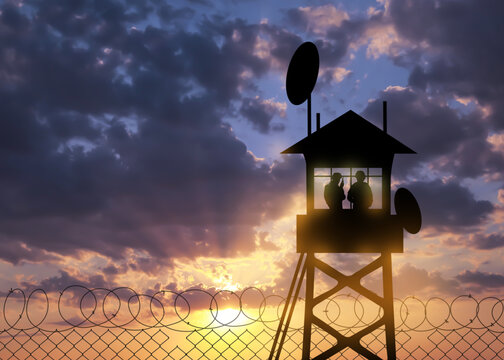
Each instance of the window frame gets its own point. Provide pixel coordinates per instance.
(350, 178)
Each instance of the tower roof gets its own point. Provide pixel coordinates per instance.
(349, 134)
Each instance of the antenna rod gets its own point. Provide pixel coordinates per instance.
(385, 116)
(318, 121)
(309, 115)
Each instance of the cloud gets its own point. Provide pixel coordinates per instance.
(500, 196)
(335, 33)
(64, 279)
(168, 14)
(113, 139)
(16, 252)
(333, 74)
(260, 113)
(317, 19)
(497, 141)
(265, 243)
(445, 140)
(448, 59)
(448, 206)
(486, 241)
(382, 39)
(481, 280)
(461, 56)
(411, 280)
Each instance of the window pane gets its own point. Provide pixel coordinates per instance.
(376, 187)
(322, 172)
(320, 183)
(323, 177)
(342, 171)
(346, 187)
(375, 171)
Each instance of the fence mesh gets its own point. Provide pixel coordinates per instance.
(81, 323)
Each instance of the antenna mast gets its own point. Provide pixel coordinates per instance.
(385, 116)
(309, 114)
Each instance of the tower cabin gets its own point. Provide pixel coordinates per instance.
(346, 145)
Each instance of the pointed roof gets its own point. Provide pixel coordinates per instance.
(349, 134)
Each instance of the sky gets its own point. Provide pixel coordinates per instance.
(140, 140)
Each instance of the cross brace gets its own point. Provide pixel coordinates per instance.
(352, 281)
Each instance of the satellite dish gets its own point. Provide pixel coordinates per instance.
(302, 73)
(407, 210)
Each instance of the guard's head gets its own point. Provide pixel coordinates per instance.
(336, 176)
(359, 175)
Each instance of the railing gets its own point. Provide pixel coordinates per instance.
(82, 323)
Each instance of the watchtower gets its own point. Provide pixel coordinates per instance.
(347, 145)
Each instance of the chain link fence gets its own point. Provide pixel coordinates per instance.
(82, 323)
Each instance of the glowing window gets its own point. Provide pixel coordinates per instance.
(323, 177)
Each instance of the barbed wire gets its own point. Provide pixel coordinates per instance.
(125, 308)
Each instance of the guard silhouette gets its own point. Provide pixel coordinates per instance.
(333, 192)
(360, 194)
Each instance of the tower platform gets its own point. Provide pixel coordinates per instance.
(324, 231)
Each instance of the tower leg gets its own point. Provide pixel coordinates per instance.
(308, 318)
(388, 308)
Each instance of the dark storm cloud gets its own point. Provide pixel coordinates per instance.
(260, 114)
(201, 2)
(112, 135)
(15, 252)
(481, 279)
(425, 125)
(449, 206)
(486, 241)
(465, 49)
(64, 279)
(449, 141)
(168, 13)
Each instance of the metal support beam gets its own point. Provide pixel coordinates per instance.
(388, 308)
(308, 317)
(352, 281)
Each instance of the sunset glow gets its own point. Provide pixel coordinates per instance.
(140, 150)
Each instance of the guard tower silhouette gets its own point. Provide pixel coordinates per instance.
(348, 143)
